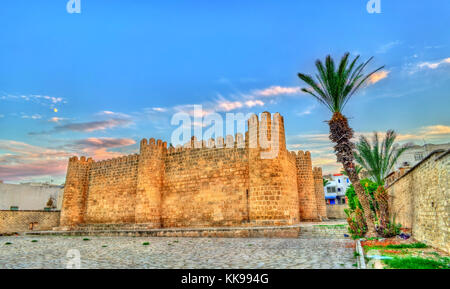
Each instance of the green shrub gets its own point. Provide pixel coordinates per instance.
(146, 243)
(8, 243)
(34, 241)
(86, 239)
(416, 245)
(416, 263)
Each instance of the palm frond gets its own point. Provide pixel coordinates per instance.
(334, 87)
(378, 159)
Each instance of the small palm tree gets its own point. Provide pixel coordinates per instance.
(379, 158)
(334, 88)
(325, 182)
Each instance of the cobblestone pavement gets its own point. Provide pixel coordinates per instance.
(129, 252)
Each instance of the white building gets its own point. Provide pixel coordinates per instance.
(336, 188)
(416, 153)
(30, 196)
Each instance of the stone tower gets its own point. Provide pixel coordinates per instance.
(272, 197)
(75, 191)
(306, 191)
(320, 194)
(149, 182)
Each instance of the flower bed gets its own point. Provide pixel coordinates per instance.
(393, 253)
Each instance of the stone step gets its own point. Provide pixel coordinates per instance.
(221, 232)
(323, 231)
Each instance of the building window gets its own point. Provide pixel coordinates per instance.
(14, 208)
(418, 156)
(339, 180)
(339, 189)
(347, 181)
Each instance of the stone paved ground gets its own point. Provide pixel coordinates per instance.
(129, 252)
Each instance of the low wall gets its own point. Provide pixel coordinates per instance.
(419, 200)
(19, 221)
(222, 232)
(336, 211)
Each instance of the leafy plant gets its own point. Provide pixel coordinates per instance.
(86, 239)
(416, 263)
(34, 241)
(325, 182)
(146, 243)
(379, 158)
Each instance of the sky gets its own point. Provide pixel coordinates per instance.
(94, 83)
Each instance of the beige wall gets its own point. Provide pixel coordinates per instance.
(29, 196)
(420, 201)
(19, 221)
(112, 191)
(336, 211)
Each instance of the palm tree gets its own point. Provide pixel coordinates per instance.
(334, 88)
(325, 182)
(378, 159)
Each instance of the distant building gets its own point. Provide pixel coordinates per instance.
(336, 188)
(417, 153)
(30, 196)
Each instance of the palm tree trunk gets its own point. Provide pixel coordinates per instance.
(341, 134)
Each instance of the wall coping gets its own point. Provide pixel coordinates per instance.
(44, 211)
(421, 162)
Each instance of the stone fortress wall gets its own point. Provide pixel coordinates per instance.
(419, 200)
(224, 183)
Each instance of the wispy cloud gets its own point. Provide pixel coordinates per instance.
(88, 126)
(114, 114)
(159, 109)
(41, 99)
(388, 46)
(34, 116)
(377, 76)
(21, 161)
(93, 125)
(307, 111)
(56, 119)
(278, 90)
(434, 65)
(97, 148)
(226, 105)
(322, 152)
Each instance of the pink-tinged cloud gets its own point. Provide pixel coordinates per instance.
(24, 161)
(97, 148)
(229, 105)
(56, 119)
(252, 103)
(34, 169)
(94, 125)
(105, 142)
(377, 76)
(278, 90)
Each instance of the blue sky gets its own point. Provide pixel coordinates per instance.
(118, 72)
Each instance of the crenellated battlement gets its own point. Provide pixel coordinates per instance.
(121, 159)
(317, 172)
(240, 180)
(303, 156)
